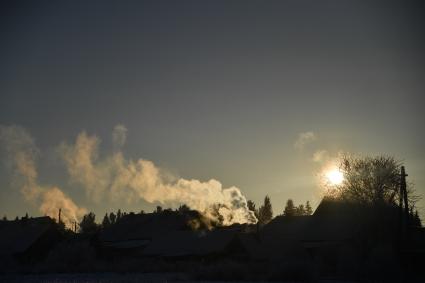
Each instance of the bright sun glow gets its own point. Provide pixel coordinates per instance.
(335, 177)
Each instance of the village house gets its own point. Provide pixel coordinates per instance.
(28, 239)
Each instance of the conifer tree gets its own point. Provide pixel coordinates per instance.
(88, 224)
(112, 218)
(119, 215)
(417, 220)
(299, 210)
(265, 212)
(106, 222)
(289, 208)
(308, 209)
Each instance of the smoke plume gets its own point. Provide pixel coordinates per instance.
(116, 178)
(119, 136)
(21, 154)
(54, 199)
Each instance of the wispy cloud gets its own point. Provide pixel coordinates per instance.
(304, 139)
(320, 155)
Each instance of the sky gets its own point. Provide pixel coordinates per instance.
(257, 95)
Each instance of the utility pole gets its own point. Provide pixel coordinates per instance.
(59, 217)
(404, 219)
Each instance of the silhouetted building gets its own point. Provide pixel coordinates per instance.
(28, 239)
(133, 233)
(197, 244)
(338, 235)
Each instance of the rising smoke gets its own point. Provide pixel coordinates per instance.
(117, 178)
(20, 155)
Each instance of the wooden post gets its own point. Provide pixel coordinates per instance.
(404, 192)
(404, 205)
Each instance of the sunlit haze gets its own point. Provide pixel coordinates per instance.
(335, 177)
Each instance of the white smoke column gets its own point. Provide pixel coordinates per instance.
(126, 179)
(54, 199)
(21, 153)
(81, 159)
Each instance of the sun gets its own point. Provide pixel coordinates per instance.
(335, 177)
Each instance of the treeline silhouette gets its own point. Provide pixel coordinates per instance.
(366, 228)
(264, 214)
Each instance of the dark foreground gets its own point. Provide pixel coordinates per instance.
(117, 278)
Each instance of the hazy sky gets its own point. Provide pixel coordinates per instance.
(218, 89)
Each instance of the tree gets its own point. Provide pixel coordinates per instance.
(5, 218)
(299, 210)
(119, 215)
(183, 208)
(217, 217)
(370, 180)
(112, 218)
(88, 224)
(106, 222)
(308, 209)
(417, 220)
(251, 206)
(289, 208)
(414, 220)
(265, 212)
(158, 209)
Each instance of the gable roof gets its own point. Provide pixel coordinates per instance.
(333, 221)
(287, 227)
(17, 236)
(191, 243)
(149, 226)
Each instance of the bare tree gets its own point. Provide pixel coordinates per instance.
(371, 180)
(251, 206)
